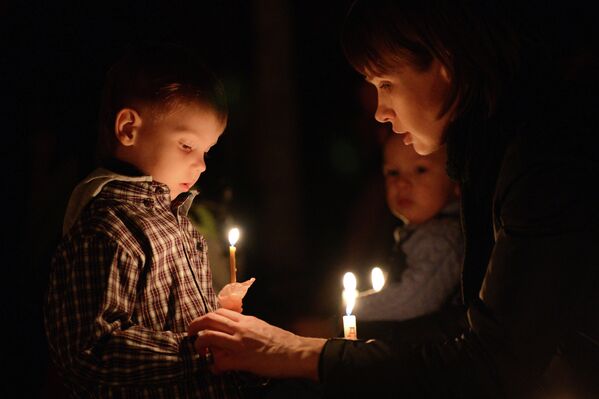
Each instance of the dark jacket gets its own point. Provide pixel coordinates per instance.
(530, 213)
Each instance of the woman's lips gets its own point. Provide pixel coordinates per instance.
(407, 137)
(186, 186)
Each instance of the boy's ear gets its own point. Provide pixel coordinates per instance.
(127, 124)
(444, 73)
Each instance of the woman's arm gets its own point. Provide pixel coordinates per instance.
(240, 342)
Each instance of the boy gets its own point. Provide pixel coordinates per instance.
(429, 246)
(131, 272)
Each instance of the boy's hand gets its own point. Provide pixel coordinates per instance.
(231, 296)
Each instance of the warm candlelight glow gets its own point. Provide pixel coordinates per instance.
(233, 236)
(378, 278)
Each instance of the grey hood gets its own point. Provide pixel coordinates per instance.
(90, 187)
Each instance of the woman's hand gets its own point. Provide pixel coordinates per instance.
(246, 343)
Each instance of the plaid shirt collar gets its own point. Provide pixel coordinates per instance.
(130, 185)
(143, 192)
(146, 192)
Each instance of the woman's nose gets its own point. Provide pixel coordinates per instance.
(383, 112)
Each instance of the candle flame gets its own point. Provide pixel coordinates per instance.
(233, 236)
(350, 300)
(349, 292)
(378, 278)
(349, 281)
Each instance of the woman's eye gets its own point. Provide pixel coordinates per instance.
(384, 85)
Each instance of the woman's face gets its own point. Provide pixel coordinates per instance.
(411, 100)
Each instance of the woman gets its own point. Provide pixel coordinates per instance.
(476, 79)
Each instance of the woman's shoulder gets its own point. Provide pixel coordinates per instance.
(547, 183)
(539, 151)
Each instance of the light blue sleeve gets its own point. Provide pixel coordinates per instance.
(434, 257)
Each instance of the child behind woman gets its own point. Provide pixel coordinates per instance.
(427, 258)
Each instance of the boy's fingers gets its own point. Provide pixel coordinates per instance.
(231, 302)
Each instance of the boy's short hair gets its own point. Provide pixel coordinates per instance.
(155, 76)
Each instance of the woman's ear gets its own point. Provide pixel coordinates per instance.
(126, 127)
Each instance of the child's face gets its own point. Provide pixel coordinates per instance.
(417, 186)
(171, 147)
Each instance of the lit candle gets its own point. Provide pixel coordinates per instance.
(233, 237)
(349, 295)
(378, 278)
(378, 282)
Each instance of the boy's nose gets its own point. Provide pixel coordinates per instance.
(403, 183)
(199, 165)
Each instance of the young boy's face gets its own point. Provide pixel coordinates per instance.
(171, 147)
(417, 187)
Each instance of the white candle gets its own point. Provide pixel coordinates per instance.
(233, 237)
(349, 295)
(349, 327)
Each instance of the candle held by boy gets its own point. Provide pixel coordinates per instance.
(233, 237)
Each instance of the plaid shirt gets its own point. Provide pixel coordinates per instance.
(125, 282)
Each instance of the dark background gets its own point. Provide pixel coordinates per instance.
(297, 168)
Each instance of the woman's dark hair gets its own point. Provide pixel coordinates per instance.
(158, 77)
(471, 38)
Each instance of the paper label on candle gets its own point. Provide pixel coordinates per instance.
(349, 327)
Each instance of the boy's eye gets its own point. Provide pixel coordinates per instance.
(185, 147)
(391, 173)
(421, 169)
